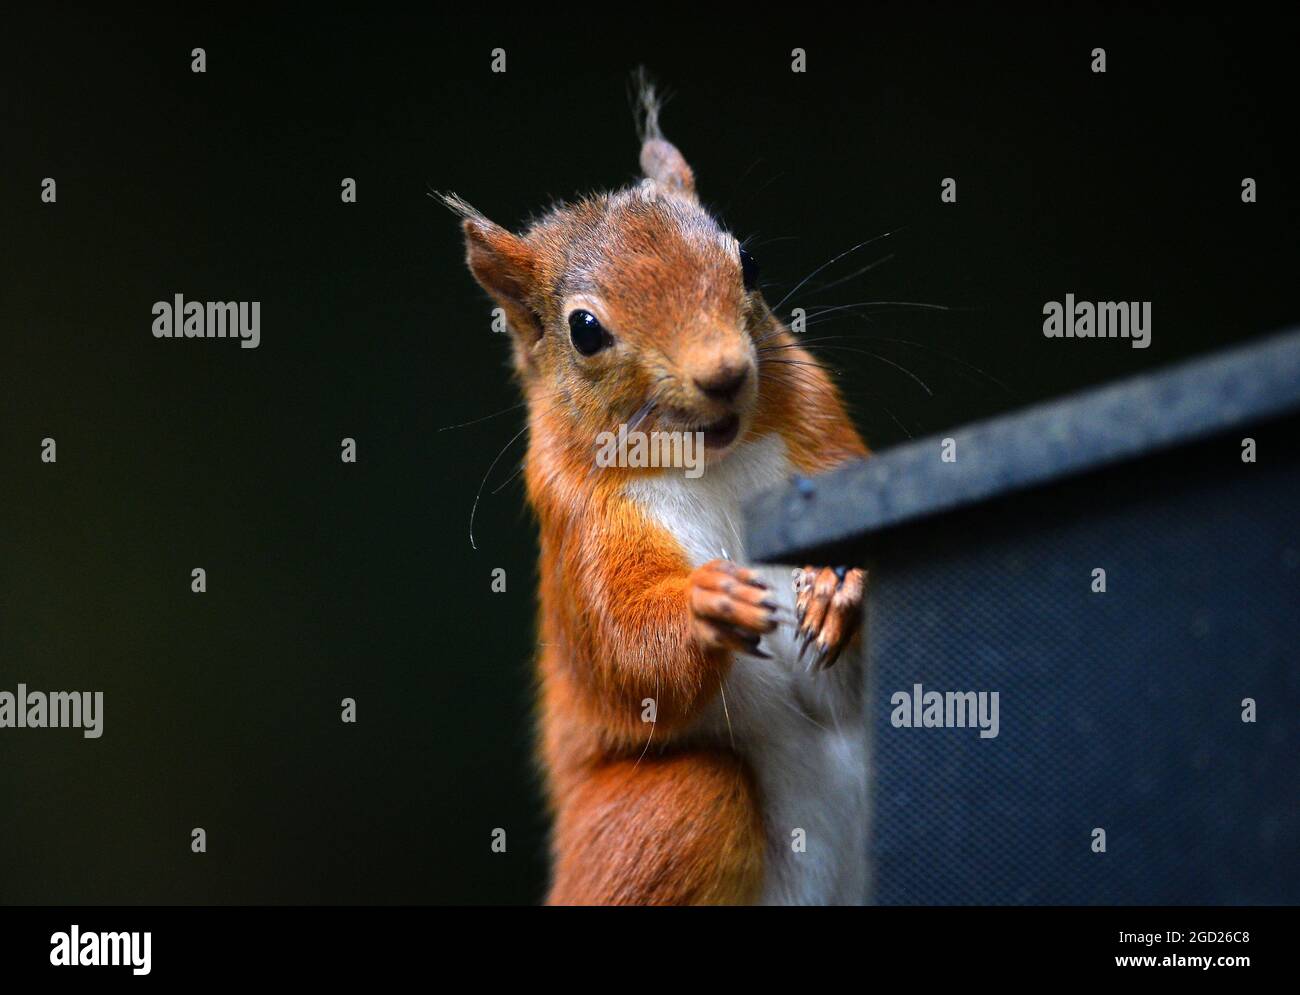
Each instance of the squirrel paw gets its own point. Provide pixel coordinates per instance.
(731, 607)
(828, 603)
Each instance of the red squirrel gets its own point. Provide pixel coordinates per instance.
(701, 726)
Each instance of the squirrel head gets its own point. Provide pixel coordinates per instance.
(635, 305)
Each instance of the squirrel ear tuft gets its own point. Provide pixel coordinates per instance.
(660, 160)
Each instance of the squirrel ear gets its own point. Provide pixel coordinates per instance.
(505, 267)
(501, 263)
(660, 160)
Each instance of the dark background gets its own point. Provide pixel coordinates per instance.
(328, 580)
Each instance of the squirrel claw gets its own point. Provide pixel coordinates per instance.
(809, 636)
(828, 602)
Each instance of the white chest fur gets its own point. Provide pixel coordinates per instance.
(804, 735)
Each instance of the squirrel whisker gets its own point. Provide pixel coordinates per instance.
(862, 352)
(828, 264)
(921, 346)
(495, 414)
(852, 276)
(474, 509)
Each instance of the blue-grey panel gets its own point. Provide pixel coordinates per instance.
(1119, 710)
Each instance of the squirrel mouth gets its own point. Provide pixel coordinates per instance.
(720, 434)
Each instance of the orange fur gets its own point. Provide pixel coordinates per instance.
(681, 829)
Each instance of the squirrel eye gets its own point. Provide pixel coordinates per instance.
(749, 270)
(588, 335)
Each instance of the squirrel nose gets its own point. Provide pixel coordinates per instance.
(723, 383)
